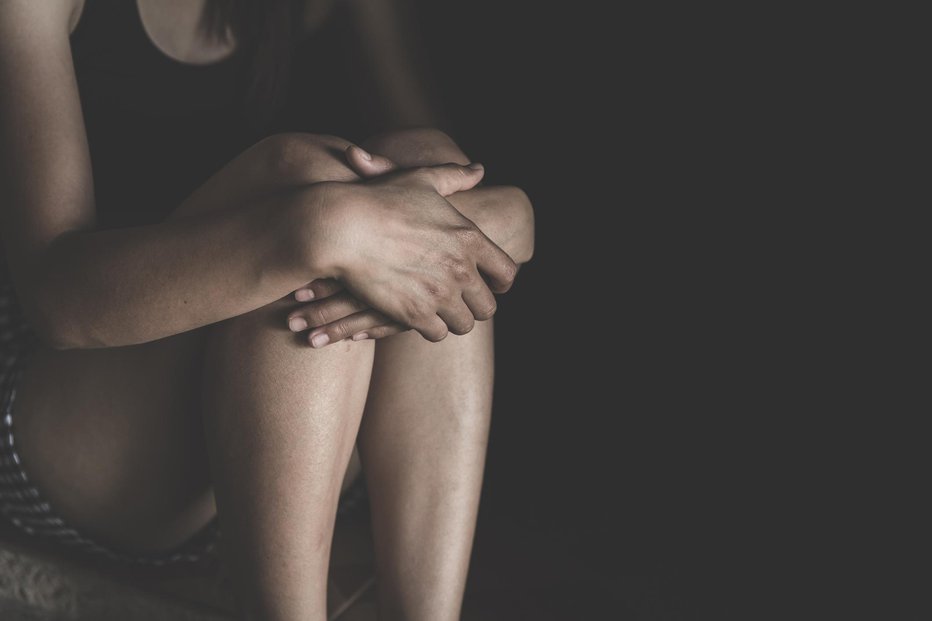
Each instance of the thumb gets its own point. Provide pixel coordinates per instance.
(449, 179)
(366, 164)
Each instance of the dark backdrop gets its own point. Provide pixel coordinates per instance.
(628, 372)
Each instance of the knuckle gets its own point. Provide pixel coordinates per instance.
(487, 311)
(436, 291)
(318, 315)
(414, 311)
(339, 331)
(460, 270)
(382, 331)
(509, 272)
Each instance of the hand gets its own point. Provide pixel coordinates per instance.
(503, 213)
(332, 312)
(399, 247)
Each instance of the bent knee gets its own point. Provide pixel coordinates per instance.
(424, 145)
(299, 158)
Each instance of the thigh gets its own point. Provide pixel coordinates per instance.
(113, 439)
(113, 436)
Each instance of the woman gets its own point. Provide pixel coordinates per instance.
(180, 346)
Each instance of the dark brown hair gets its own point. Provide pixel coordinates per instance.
(266, 32)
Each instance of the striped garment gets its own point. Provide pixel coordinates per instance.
(20, 502)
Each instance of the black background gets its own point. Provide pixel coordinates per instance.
(631, 377)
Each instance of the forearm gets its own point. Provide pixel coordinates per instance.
(133, 285)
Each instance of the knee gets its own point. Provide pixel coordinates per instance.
(424, 145)
(298, 158)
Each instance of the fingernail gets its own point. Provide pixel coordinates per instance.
(297, 324)
(362, 336)
(476, 166)
(320, 340)
(304, 295)
(365, 154)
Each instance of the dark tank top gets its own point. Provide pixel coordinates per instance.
(157, 128)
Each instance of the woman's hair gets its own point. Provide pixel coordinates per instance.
(266, 32)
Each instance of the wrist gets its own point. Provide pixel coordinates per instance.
(318, 229)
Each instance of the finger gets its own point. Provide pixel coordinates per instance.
(449, 179)
(480, 301)
(367, 164)
(347, 327)
(316, 289)
(432, 328)
(380, 332)
(498, 269)
(458, 318)
(324, 311)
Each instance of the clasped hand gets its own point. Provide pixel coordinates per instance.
(408, 258)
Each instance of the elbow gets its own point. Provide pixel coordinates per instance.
(50, 333)
(60, 309)
(47, 317)
(55, 341)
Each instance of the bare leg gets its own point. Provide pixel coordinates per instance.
(281, 420)
(423, 443)
(115, 436)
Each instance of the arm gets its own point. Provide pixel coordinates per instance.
(84, 288)
(133, 285)
(503, 213)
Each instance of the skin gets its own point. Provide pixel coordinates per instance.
(336, 314)
(167, 385)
